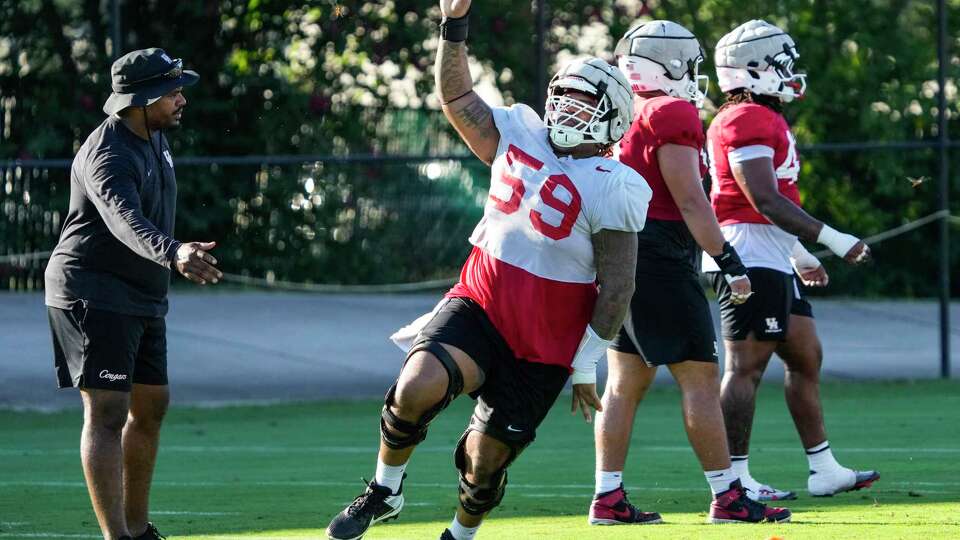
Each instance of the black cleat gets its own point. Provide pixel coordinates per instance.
(377, 503)
(447, 535)
(150, 534)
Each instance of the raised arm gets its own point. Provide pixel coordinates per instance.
(467, 112)
(758, 181)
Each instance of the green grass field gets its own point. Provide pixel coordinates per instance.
(283, 471)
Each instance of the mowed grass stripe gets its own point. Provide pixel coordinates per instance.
(282, 471)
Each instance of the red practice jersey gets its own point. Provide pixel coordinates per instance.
(740, 133)
(659, 121)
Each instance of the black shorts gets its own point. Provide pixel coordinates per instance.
(767, 313)
(516, 395)
(669, 321)
(105, 350)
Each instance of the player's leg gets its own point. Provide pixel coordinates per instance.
(802, 354)
(437, 370)
(751, 332)
(510, 407)
(703, 420)
(746, 360)
(428, 383)
(482, 461)
(149, 400)
(628, 379)
(702, 417)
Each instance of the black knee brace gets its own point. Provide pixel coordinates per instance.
(403, 434)
(480, 500)
(476, 500)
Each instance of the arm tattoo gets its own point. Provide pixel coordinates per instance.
(452, 71)
(469, 114)
(615, 254)
(476, 115)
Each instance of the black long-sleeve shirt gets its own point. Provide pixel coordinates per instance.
(117, 242)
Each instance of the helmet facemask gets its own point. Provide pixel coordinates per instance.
(792, 85)
(565, 115)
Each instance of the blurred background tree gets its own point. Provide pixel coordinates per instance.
(349, 80)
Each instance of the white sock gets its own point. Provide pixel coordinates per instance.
(741, 468)
(460, 532)
(607, 481)
(389, 475)
(720, 480)
(821, 458)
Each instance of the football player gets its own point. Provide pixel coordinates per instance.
(670, 323)
(755, 167)
(560, 219)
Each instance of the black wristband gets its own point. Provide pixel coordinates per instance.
(454, 29)
(729, 261)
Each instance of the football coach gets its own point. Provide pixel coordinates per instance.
(107, 280)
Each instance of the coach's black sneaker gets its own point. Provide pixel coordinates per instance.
(447, 535)
(150, 534)
(377, 503)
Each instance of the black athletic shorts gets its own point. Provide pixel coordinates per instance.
(669, 321)
(767, 313)
(516, 395)
(100, 349)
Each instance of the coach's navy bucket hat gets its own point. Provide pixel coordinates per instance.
(140, 78)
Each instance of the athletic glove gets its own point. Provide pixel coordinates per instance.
(592, 348)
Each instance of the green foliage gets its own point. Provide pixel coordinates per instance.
(332, 78)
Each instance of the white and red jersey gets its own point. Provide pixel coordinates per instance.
(659, 121)
(740, 133)
(532, 267)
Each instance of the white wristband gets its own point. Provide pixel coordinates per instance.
(802, 260)
(838, 242)
(592, 348)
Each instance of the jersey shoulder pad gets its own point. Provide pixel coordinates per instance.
(517, 116)
(675, 121)
(747, 124)
(624, 197)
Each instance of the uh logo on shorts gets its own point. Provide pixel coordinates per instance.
(773, 325)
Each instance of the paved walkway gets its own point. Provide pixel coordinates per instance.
(250, 346)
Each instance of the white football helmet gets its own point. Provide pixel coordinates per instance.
(664, 56)
(609, 119)
(759, 56)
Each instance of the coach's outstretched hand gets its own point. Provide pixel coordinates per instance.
(453, 9)
(196, 264)
(585, 397)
